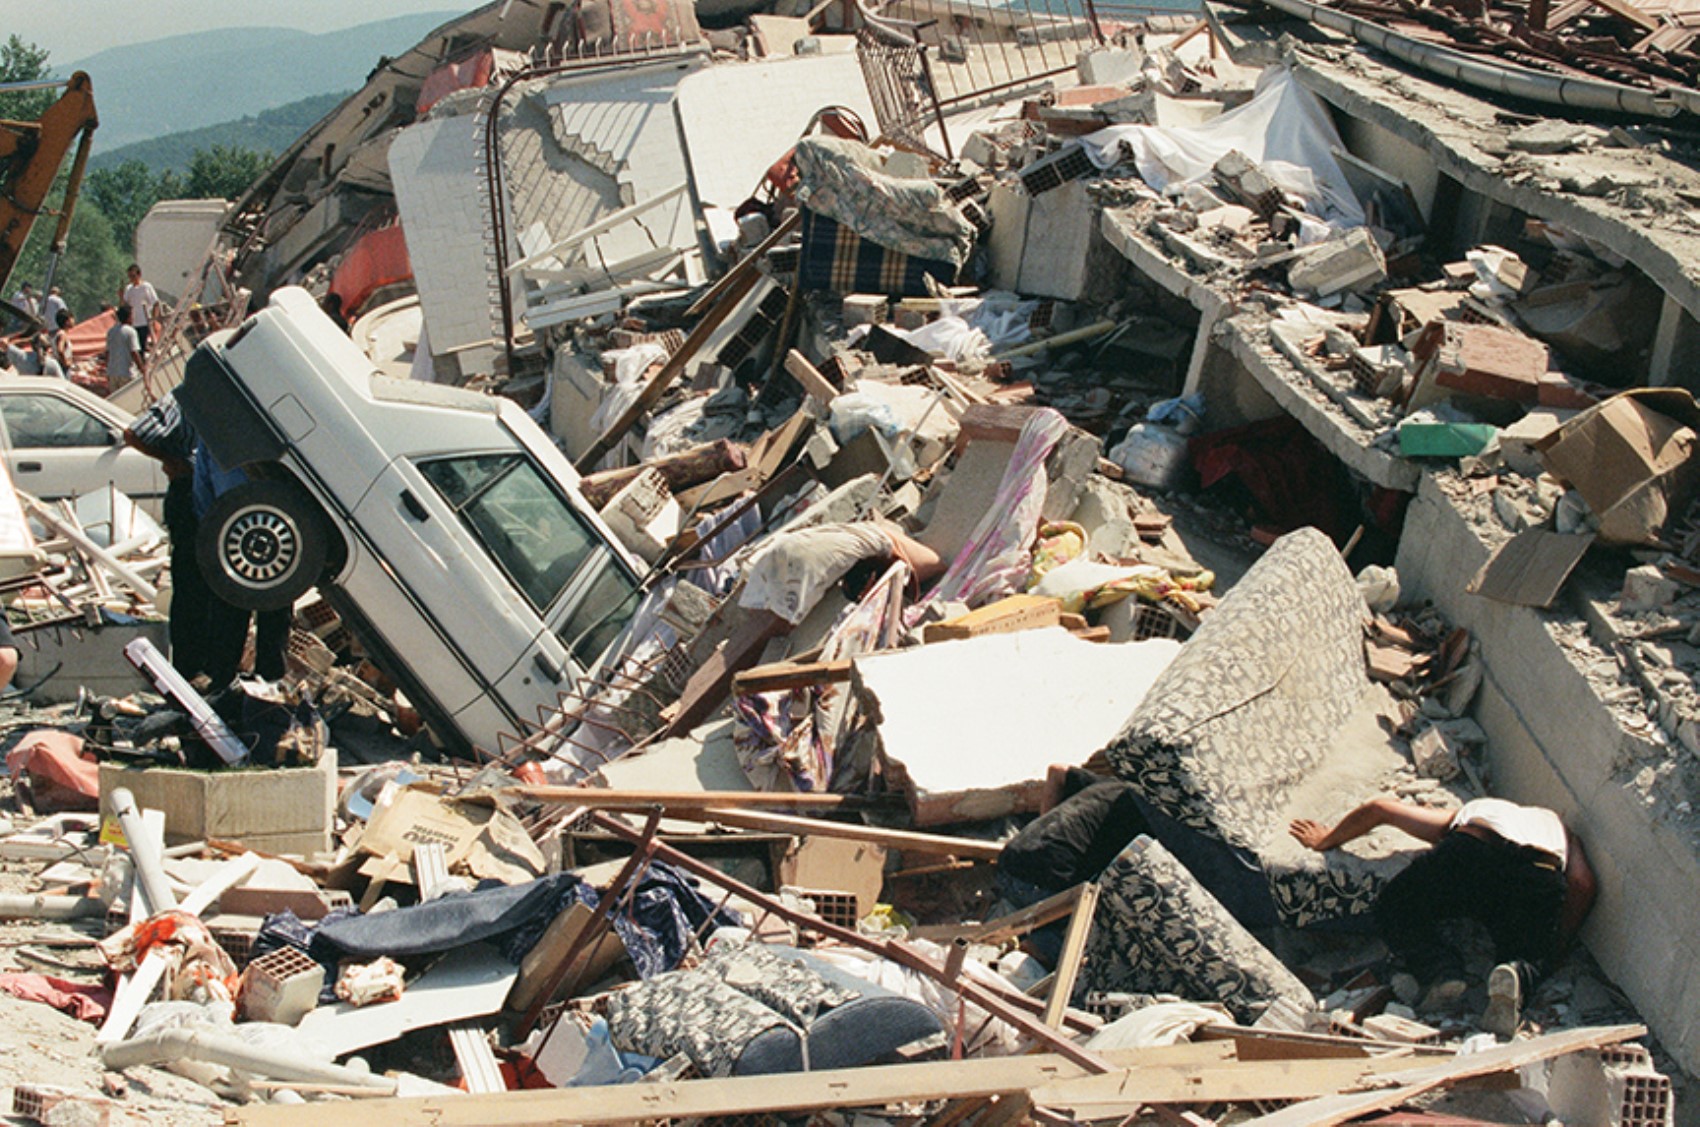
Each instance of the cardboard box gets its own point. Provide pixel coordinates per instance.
(1631, 458)
(281, 810)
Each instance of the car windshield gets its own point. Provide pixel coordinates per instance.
(47, 420)
(527, 527)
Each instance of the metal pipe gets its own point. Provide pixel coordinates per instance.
(1513, 81)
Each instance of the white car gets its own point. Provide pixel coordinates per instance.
(443, 524)
(64, 442)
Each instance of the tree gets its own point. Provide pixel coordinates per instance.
(92, 267)
(224, 172)
(125, 193)
(23, 62)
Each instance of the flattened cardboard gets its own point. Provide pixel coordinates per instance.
(1631, 459)
(1529, 569)
(474, 833)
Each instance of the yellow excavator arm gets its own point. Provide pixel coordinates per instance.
(30, 155)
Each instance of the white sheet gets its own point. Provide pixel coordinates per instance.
(1284, 128)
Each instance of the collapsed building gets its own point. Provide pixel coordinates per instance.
(975, 390)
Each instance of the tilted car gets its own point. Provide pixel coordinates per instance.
(442, 524)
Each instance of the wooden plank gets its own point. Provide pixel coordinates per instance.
(810, 377)
(783, 675)
(1124, 1092)
(799, 1091)
(1073, 949)
(604, 798)
(1624, 10)
(542, 965)
(906, 840)
(670, 372)
(745, 267)
(1328, 1111)
(1027, 919)
(1006, 616)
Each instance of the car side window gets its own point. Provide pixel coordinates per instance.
(526, 526)
(600, 615)
(47, 420)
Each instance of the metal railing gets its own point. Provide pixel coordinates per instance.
(921, 58)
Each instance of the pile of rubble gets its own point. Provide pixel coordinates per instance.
(819, 830)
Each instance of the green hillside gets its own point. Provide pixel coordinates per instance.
(270, 131)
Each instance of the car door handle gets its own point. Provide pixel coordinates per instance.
(413, 506)
(550, 671)
(29, 467)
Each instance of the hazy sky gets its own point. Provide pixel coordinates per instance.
(72, 30)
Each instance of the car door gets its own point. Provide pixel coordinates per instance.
(57, 448)
(553, 559)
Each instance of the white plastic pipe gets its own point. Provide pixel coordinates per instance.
(172, 1045)
(144, 852)
(50, 907)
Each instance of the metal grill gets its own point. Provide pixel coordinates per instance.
(923, 57)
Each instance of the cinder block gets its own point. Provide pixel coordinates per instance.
(282, 810)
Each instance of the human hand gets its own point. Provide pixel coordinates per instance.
(1308, 833)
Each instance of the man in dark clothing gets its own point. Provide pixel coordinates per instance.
(1514, 869)
(208, 635)
(1087, 820)
(162, 433)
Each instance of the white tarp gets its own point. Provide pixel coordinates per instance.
(1284, 128)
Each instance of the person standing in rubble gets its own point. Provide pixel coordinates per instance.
(1516, 870)
(227, 625)
(163, 434)
(142, 300)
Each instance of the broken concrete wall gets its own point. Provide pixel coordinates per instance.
(1553, 741)
(739, 118)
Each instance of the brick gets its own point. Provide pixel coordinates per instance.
(1485, 360)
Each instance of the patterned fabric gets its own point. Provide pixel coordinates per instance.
(751, 1008)
(838, 260)
(1158, 931)
(695, 1013)
(1252, 703)
(997, 557)
(163, 429)
(1316, 887)
(789, 987)
(845, 181)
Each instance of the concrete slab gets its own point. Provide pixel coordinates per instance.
(1247, 339)
(971, 726)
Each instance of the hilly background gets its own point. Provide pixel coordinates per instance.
(189, 82)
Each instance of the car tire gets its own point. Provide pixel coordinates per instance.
(262, 545)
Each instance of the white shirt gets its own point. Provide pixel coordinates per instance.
(1532, 826)
(51, 308)
(122, 344)
(141, 299)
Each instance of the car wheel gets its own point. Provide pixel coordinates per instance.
(262, 545)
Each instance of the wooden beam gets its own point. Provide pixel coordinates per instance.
(908, 841)
(782, 675)
(798, 1091)
(1073, 949)
(670, 372)
(810, 377)
(1624, 10)
(1124, 1092)
(1328, 1111)
(603, 798)
(745, 266)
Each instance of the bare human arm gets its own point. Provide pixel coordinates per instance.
(1425, 823)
